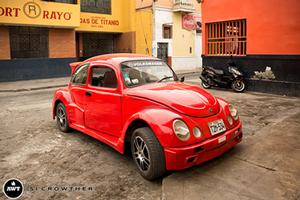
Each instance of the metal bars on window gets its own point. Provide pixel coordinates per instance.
(227, 38)
(28, 42)
(64, 1)
(96, 6)
(97, 44)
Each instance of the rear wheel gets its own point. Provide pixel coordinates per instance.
(205, 85)
(238, 85)
(147, 153)
(61, 118)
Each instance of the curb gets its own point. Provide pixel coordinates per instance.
(33, 89)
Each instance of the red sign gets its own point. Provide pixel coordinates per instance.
(188, 22)
(191, 22)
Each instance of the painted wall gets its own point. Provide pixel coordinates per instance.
(272, 26)
(183, 42)
(4, 43)
(143, 27)
(161, 16)
(122, 18)
(181, 48)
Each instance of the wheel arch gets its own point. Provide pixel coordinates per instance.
(135, 124)
(60, 96)
(158, 120)
(57, 101)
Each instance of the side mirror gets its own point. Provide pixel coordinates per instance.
(182, 79)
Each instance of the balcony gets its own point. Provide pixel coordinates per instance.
(183, 6)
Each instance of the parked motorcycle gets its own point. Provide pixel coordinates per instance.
(233, 78)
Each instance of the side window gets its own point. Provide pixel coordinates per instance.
(103, 77)
(80, 75)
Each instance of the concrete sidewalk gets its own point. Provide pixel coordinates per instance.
(38, 84)
(265, 166)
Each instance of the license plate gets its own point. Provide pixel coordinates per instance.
(217, 127)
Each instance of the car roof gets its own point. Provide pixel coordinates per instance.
(119, 58)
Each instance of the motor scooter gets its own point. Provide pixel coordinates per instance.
(233, 77)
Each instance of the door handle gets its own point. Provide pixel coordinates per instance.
(88, 93)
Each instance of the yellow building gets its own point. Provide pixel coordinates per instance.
(38, 38)
(176, 31)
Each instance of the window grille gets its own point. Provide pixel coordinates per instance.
(64, 1)
(97, 44)
(226, 38)
(96, 6)
(29, 42)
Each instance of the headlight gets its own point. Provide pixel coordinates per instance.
(181, 130)
(233, 112)
(197, 132)
(230, 120)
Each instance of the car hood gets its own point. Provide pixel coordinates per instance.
(184, 98)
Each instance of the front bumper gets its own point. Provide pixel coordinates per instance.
(185, 157)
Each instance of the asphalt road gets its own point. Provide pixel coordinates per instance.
(33, 150)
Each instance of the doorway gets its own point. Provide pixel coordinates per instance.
(162, 51)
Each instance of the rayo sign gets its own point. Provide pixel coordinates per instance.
(33, 10)
(39, 13)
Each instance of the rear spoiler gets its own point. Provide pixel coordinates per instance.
(74, 66)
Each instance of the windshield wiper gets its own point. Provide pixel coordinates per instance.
(167, 77)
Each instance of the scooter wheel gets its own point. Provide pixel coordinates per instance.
(205, 85)
(238, 85)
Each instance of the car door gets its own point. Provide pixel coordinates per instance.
(77, 89)
(103, 109)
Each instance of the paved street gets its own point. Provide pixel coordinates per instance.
(264, 166)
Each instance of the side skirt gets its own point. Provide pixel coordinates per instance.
(114, 142)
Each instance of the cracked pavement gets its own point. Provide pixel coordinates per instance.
(264, 166)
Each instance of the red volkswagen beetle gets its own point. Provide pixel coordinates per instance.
(135, 99)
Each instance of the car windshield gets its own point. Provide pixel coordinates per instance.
(136, 73)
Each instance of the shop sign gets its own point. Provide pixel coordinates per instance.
(40, 13)
(98, 22)
(101, 22)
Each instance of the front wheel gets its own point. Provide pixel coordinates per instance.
(147, 153)
(238, 85)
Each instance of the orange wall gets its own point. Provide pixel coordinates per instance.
(273, 27)
(4, 43)
(62, 43)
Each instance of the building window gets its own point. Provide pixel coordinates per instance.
(96, 6)
(28, 42)
(64, 1)
(226, 38)
(167, 31)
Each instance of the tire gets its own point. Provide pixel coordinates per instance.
(238, 85)
(62, 118)
(147, 153)
(205, 85)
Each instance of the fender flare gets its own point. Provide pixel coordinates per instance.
(157, 125)
(62, 96)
